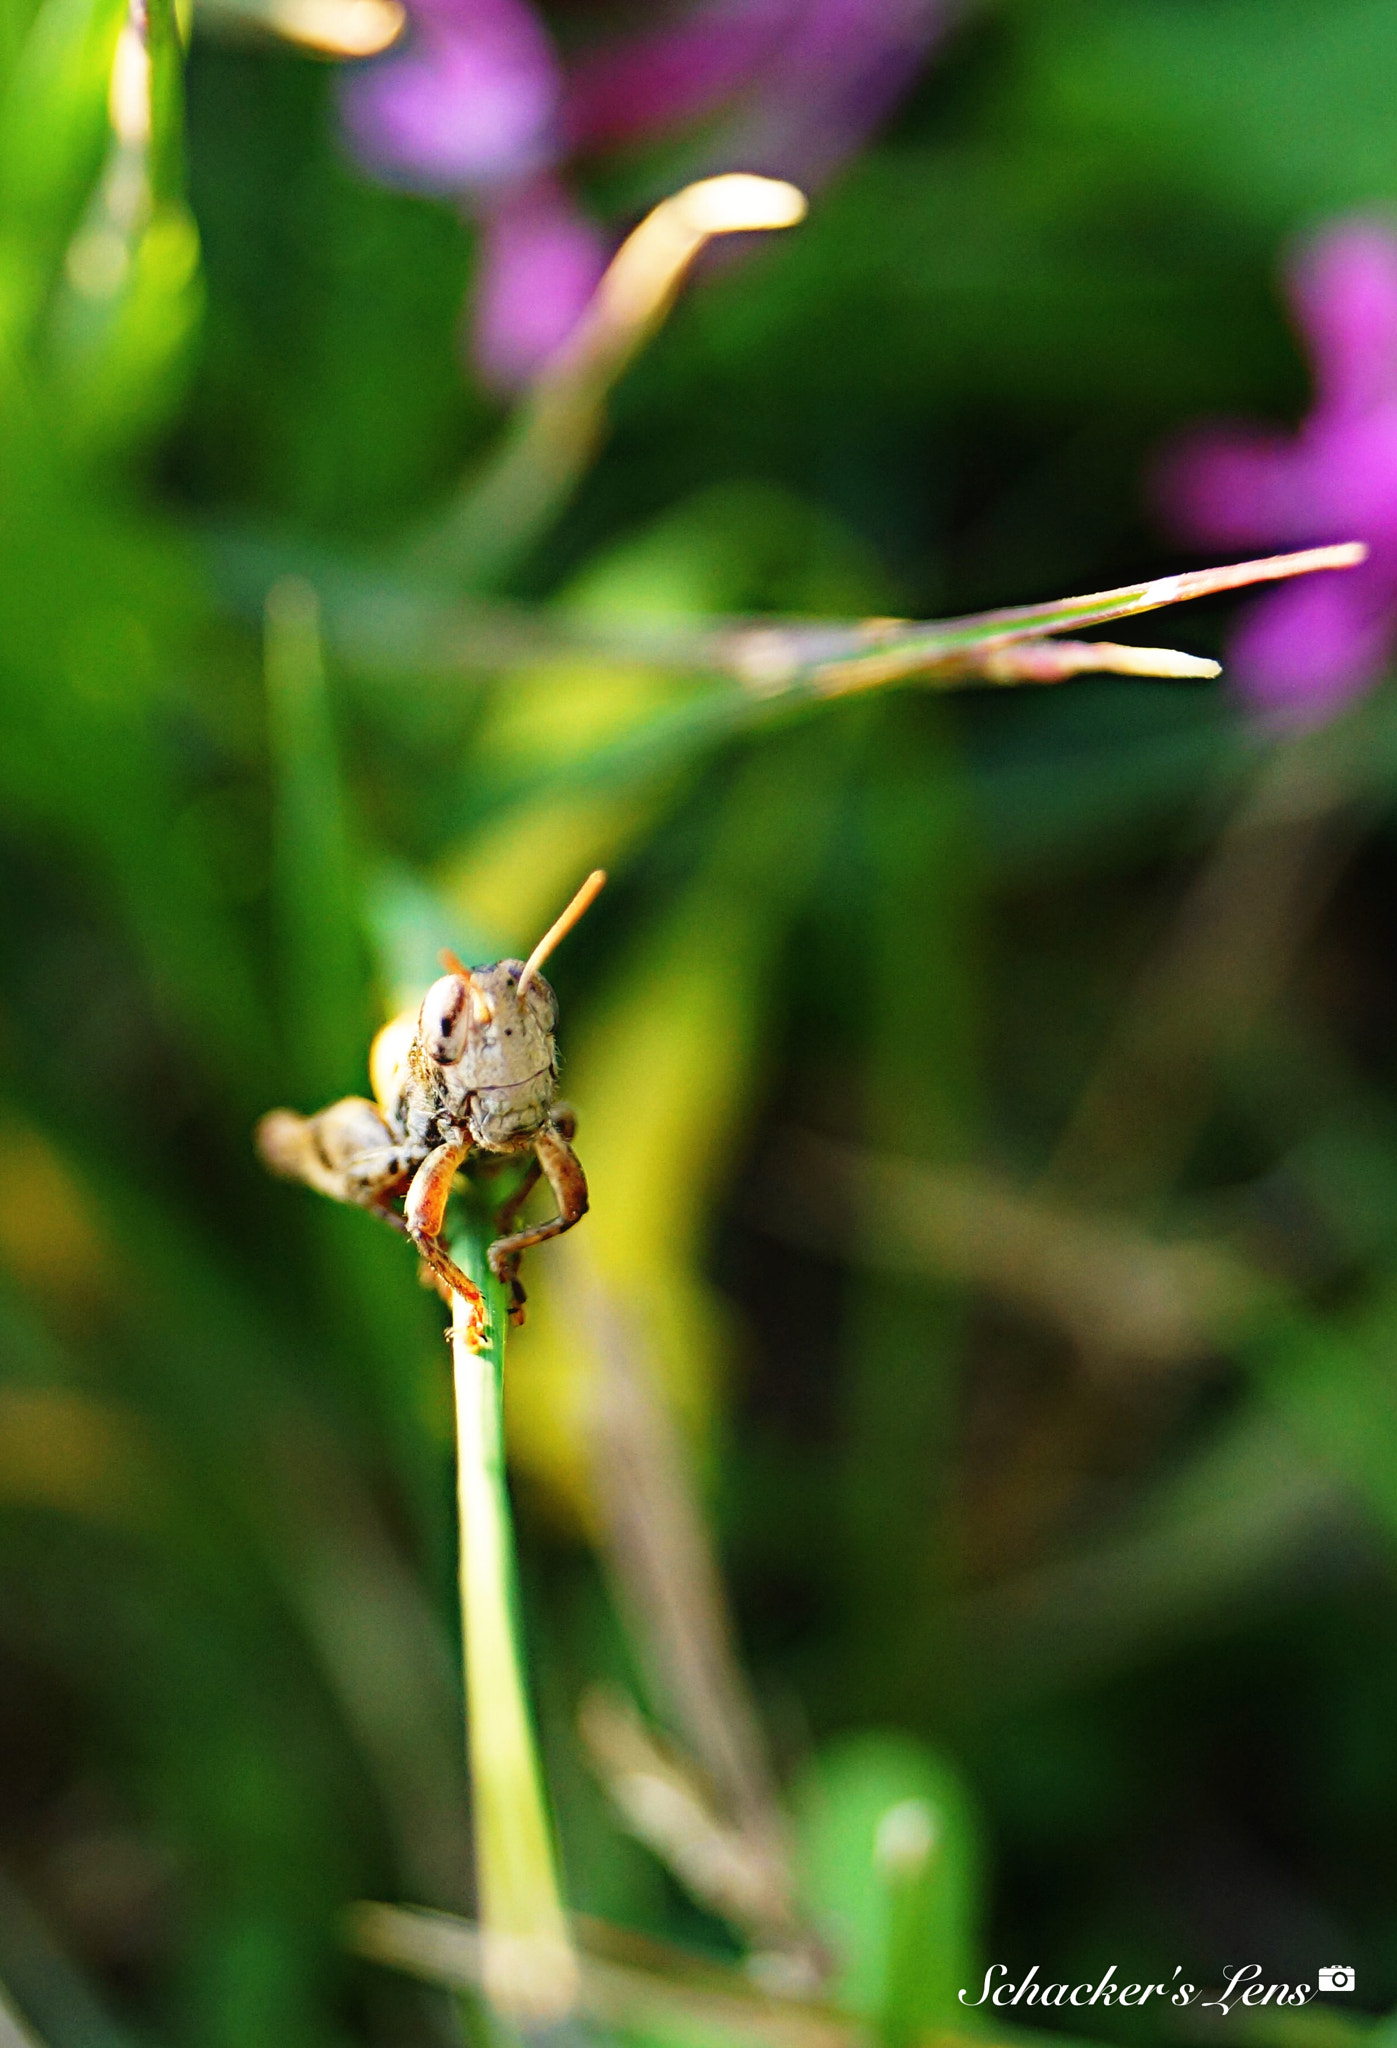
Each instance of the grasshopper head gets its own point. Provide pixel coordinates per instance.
(491, 1030)
(477, 1017)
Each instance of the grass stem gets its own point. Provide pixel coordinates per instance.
(529, 1966)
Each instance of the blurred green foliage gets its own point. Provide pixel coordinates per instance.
(1115, 1614)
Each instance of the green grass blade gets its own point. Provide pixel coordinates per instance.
(323, 968)
(529, 1968)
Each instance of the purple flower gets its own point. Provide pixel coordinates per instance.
(469, 108)
(468, 104)
(801, 82)
(475, 105)
(842, 68)
(541, 260)
(1305, 649)
(667, 77)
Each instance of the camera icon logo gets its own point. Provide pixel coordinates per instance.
(1337, 1977)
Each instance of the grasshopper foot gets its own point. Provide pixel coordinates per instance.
(505, 1268)
(454, 1282)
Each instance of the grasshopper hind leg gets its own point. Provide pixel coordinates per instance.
(348, 1151)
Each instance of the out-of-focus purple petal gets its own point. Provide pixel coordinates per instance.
(471, 102)
(676, 74)
(1310, 647)
(1233, 487)
(1304, 650)
(837, 73)
(1343, 289)
(855, 53)
(807, 79)
(1346, 468)
(541, 260)
(1242, 487)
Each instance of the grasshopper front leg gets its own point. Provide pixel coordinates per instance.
(424, 1213)
(563, 1170)
(563, 1123)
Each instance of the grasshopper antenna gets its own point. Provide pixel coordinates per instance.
(559, 929)
(480, 1003)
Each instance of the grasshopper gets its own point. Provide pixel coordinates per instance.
(473, 1069)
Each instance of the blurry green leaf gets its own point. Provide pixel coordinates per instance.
(665, 1069)
(165, 45)
(122, 330)
(1332, 1380)
(409, 924)
(911, 913)
(98, 620)
(890, 1871)
(13, 2029)
(1280, 108)
(549, 717)
(47, 1985)
(327, 1017)
(130, 294)
(323, 969)
(1257, 1501)
(53, 130)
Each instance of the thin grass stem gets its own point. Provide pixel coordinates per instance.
(554, 436)
(529, 1966)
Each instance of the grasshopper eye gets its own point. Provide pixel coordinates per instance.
(445, 1019)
